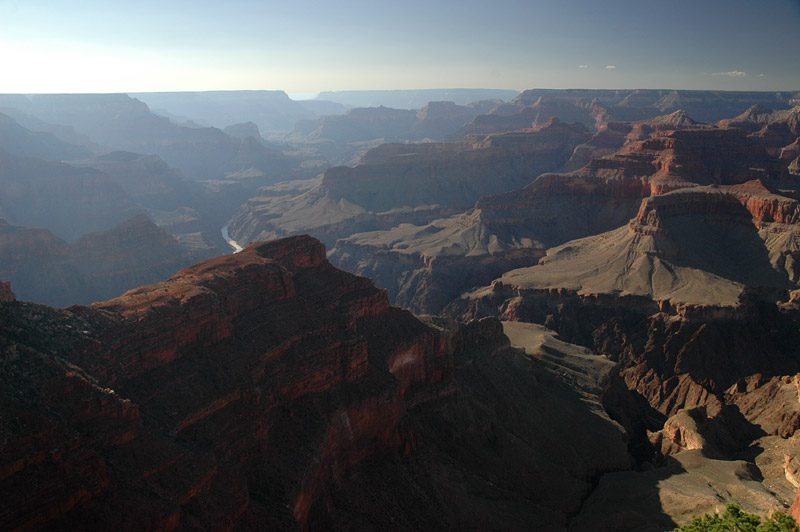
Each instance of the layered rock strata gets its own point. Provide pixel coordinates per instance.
(424, 266)
(412, 183)
(595, 108)
(268, 390)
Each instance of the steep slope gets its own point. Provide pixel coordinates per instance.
(692, 306)
(63, 133)
(190, 211)
(695, 300)
(774, 129)
(268, 390)
(660, 495)
(410, 183)
(698, 246)
(425, 266)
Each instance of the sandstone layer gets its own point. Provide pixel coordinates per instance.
(268, 390)
(410, 183)
(424, 266)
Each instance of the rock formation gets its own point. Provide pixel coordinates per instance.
(272, 111)
(6, 295)
(23, 142)
(410, 183)
(696, 246)
(434, 121)
(695, 300)
(268, 390)
(124, 123)
(424, 266)
(46, 269)
(774, 129)
(594, 108)
(148, 180)
(69, 201)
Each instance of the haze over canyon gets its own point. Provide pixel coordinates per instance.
(462, 309)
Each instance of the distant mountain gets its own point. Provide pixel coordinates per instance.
(415, 99)
(148, 180)
(425, 266)
(46, 269)
(124, 123)
(248, 129)
(410, 183)
(596, 107)
(434, 121)
(776, 130)
(184, 207)
(24, 142)
(68, 200)
(272, 111)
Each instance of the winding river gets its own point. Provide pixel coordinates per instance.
(231, 242)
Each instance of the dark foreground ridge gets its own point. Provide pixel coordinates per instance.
(270, 391)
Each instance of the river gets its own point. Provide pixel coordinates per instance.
(231, 242)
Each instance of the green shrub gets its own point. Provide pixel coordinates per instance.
(735, 520)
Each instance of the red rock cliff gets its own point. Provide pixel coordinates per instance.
(269, 390)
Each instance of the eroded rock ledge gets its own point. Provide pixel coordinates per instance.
(269, 390)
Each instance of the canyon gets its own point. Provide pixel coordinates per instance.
(597, 311)
(316, 400)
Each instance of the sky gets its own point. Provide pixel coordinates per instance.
(307, 46)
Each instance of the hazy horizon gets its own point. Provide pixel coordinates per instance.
(98, 47)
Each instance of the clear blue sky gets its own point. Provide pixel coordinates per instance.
(314, 45)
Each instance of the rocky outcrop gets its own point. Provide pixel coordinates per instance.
(612, 136)
(410, 183)
(44, 268)
(269, 390)
(425, 266)
(520, 115)
(244, 130)
(758, 116)
(773, 129)
(6, 295)
(691, 299)
(794, 166)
